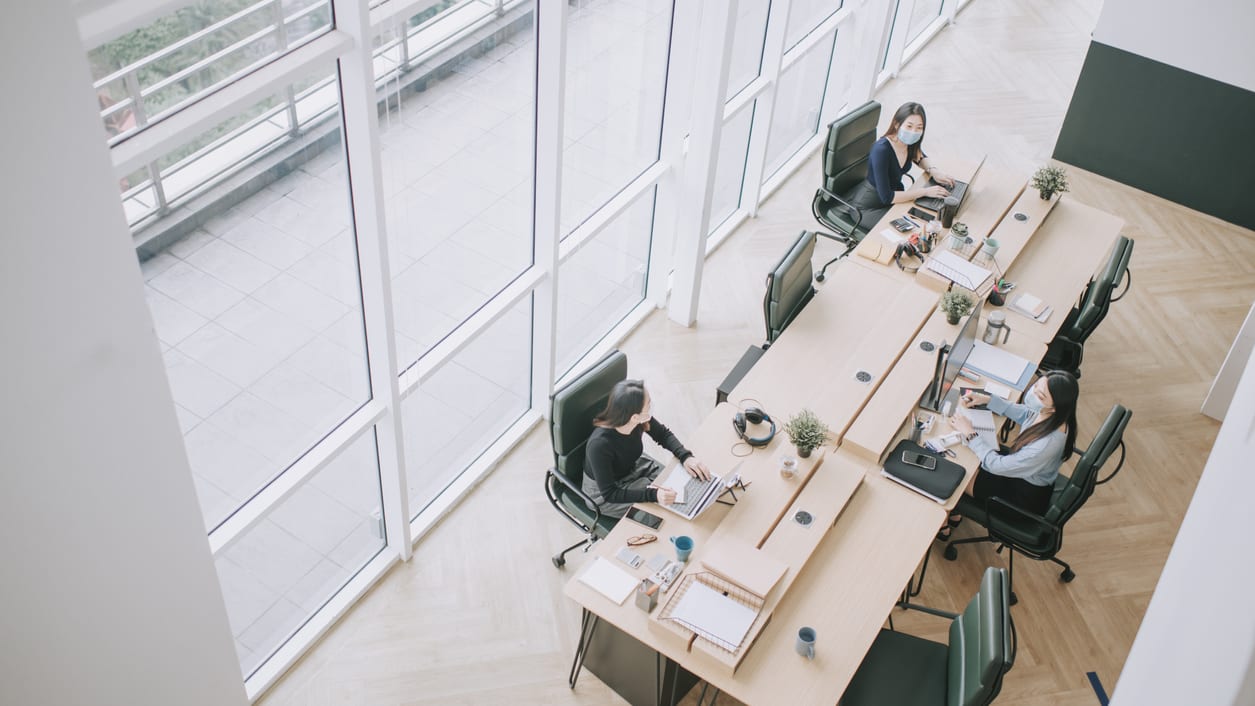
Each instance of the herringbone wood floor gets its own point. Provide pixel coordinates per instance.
(478, 617)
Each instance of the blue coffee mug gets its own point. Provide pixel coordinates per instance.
(683, 547)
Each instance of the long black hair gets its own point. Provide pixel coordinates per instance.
(1064, 391)
(913, 152)
(626, 399)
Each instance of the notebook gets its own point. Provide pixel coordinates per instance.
(983, 422)
(1030, 306)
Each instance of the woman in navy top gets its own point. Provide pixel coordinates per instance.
(890, 159)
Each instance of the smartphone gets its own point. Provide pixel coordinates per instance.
(921, 460)
(902, 224)
(921, 214)
(639, 516)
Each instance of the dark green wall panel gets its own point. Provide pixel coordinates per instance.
(1175, 134)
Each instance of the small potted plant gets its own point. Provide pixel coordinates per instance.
(956, 305)
(1050, 180)
(807, 432)
(958, 236)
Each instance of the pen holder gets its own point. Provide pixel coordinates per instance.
(646, 595)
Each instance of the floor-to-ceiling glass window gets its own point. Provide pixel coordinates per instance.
(799, 99)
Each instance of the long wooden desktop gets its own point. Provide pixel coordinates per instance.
(852, 356)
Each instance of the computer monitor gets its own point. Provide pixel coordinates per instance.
(950, 360)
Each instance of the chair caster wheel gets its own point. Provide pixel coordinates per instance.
(950, 553)
(1012, 599)
(559, 561)
(1067, 576)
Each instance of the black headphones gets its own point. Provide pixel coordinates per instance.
(753, 415)
(908, 249)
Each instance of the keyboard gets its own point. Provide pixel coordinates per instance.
(695, 491)
(932, 203)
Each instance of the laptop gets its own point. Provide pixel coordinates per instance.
(959, 191)
(694, 495)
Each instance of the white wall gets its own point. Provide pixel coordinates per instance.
(109, 592)
(1207, 37)
(1196, 644)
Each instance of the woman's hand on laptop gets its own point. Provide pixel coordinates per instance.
(696, 468)
(942, 178)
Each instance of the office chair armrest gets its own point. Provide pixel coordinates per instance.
(858, 213)
(1128, 284)
(577, 491)
(1117, 468)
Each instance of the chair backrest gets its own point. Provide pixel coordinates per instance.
(1071, 495)
(981, 648)
(790, 285)
(572, 408)
(850, 140)
(1097, 299)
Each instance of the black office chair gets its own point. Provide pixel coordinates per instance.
(1068, 346)
(571, 412)
(789, 288)
(850, 140)
(1040, 537)
(904, 670)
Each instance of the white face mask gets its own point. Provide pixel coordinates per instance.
(1033, 402)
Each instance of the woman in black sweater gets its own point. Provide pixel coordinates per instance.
(616, 473)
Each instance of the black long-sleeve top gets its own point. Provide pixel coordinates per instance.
(611, 457)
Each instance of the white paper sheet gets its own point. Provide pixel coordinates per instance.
(996, 362)
(708, 610)
(609, 580)
(676, 480)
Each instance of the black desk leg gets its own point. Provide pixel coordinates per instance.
(588, 623)
(913, 588)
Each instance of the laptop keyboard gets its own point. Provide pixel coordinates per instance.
(933, 203)
(694, 490)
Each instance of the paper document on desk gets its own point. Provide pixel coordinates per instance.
(609, 580)
(958, 270)
(998, 364)
(676, 480)
(704, 609)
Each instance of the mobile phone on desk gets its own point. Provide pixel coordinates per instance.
(641, 517)
(928, 463)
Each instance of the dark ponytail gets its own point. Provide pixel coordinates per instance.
(1064, 392)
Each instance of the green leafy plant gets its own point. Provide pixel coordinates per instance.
(807, 432)
(959, 228)
(956, 304)
(1050, 180)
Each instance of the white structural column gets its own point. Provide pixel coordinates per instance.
(550, 26)
(361, 142)
(109, 588)
(773, 59)
(697, 181)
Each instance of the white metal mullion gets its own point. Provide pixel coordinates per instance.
(444, 351)
(836, 90)
(293, 477)
(865, 32)
(897, 38)
(361, 143)
(675, 126)
(773, 58)
(551, 43)
(163, 137)
(950, 10)
(697, 183)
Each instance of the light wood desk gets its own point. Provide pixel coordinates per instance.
(844, 572)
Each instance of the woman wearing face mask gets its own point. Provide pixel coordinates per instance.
(616, 474)
(890, 158)
(1025, 474)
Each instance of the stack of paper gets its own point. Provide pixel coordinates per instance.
(707, 611)
(1030, 306)
(958, 270)
(1000, 365)
(609, 580)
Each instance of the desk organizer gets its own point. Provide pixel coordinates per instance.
(727, 589)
